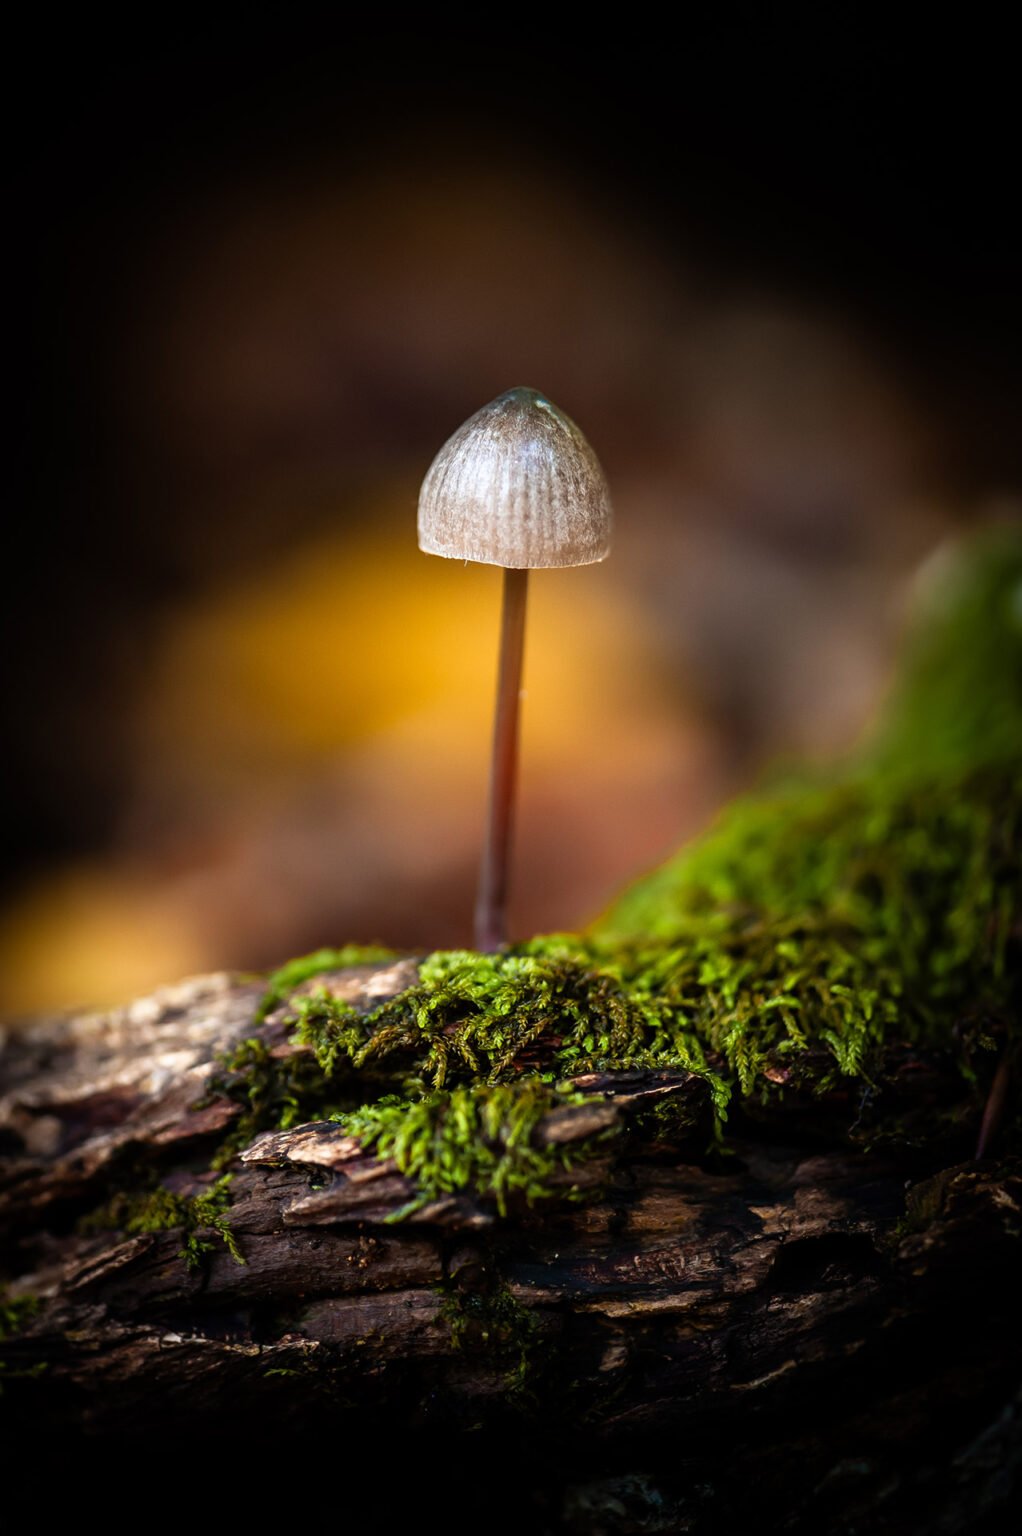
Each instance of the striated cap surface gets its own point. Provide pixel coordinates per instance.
(518, 486)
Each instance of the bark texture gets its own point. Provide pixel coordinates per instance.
(796, 1335)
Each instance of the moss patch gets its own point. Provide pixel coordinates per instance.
(841, 917)
(481, 1138)
(16, 1312)
(491, 1323)
(545, 1009)
(879, 904)
(202, 1218)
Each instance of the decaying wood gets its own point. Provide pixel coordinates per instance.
(795, 1334)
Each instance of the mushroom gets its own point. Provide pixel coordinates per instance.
(516, 486)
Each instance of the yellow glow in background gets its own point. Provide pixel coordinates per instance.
(333, 715)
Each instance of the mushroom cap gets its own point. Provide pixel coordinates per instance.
(518, 486)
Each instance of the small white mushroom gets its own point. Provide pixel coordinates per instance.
(516, 486)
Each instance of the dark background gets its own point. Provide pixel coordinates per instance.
(259, 277)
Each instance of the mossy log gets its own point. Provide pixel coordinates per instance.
(791, 1333)
(706, 1219)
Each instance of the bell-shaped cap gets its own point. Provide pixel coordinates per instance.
(518, 486)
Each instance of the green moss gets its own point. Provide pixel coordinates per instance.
(492, 1323)
(837, 916)
(291, 975)
(957, 699)
(274, 1090)
(879, 904)
(544, 1009)
(202, 1218)
(518, 1022)
(16, 1312)
(481, 1138)
(815, 926)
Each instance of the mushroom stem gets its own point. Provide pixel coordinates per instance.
(491, 903)
(993, 1111)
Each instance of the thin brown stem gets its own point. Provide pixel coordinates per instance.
(993, 1111)
(491, 903)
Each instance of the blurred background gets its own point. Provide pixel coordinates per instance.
(773, 274)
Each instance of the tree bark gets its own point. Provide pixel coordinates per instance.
(793, 1334)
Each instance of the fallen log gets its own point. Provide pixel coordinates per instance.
(786, 1333)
